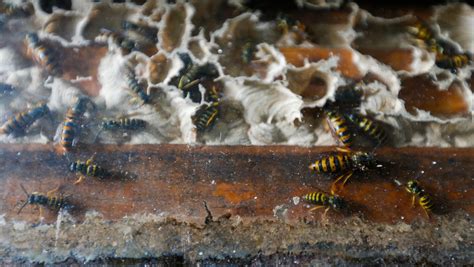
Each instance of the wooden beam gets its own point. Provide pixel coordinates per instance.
(248, 181)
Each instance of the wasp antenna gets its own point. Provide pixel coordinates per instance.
(24, 190)
(22, 206)
(397, 182)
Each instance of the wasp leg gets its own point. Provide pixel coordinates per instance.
(41, 213)
(346, 175)
(51, 192)
(413, 201)
(343, 149)
(315, 208)
(325, 211)
(190, 84)
(347, 178)
(81, 178)
(427, 214)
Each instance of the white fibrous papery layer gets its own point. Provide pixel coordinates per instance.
(261, 101)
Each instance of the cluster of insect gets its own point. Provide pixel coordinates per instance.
(134, 37)
(196, 81)
(447, 56)
(348, 127)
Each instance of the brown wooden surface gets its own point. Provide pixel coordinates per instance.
(249, 181)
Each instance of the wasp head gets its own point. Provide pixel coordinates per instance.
(337, 202)
(413, 187)
(363, 160)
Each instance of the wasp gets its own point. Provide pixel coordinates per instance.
(120, 41)
(149, 33)
(207, 113)
(72, 123)
(194, 73)
(371, 128)
(322, 199)
(87, 168)
(248, 52)
(420, 30)
(340, 127)
(6, 89)
(123, 123)
(345, 161)
(18, 124)
(424, 199)
(48, 200)
(453, 62)
(42, 54)
(137, 88)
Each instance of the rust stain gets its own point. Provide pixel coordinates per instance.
(233, 193)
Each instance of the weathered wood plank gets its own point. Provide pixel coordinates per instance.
(249, 181)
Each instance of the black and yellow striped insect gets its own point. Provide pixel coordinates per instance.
(122, 124)
(248, 52)
(48, 200)
(325, 200)
(423, 198)
(41, 54)
(18, 124)
(88, 168)
(453, 62)
(345, 162)
(340, 127)
(373, 130)
(137, 88)
(206, 115)
(70, 127)
(150, 33)
(420, 30)
(125, 44)
(194, 73)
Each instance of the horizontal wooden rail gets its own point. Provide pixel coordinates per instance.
(248, 181)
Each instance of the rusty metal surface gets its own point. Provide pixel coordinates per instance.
(251, 182)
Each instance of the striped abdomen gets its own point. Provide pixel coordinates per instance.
(85, 168)
(50, 202)
(18, 124)
(425, 201)
(138, 89)
(332, 163)
(41, 54)
(68, 133)
(206, 116)
(371, 128)
(317, 198)
(124, 124)
(421, 31)
(453, 62)
(341, 128)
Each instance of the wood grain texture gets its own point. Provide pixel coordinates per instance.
(248, 181)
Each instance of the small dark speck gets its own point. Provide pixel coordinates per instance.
(451, 160)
